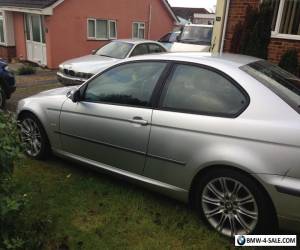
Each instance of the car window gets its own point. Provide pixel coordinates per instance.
(284, 84)
(155, 48)
(166, 38)
(197, 90)
(128, 84)
(140, 49)
(115, 50)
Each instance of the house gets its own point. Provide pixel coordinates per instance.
(49, 32)
(189, 13)
(285, 25)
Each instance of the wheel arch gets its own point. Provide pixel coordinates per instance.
(206, 169)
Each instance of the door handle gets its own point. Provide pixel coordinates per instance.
(139, 120)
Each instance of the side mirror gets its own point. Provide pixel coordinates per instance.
(94, 51)
(74, 95)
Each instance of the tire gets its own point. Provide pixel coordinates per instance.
(2, 97)
(245, 209)
(34, 137)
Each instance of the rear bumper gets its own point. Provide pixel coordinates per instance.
(285, 194)
(67, 80)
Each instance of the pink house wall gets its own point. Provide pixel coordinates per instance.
(20, 35)
(67, 29)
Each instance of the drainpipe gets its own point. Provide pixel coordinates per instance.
(224, 25)
(150, 20)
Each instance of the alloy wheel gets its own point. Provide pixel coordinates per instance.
(31, 137)
(229, 207)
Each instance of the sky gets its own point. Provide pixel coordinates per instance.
(208, 4)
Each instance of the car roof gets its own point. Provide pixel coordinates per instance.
(233, 60)
(136, 41)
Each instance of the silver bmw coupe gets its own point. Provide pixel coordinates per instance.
(219, 131)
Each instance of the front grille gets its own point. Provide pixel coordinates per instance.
(73, 73)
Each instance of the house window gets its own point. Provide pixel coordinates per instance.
(286, 19)
(2, 39)
(138, 30)
(102, 29)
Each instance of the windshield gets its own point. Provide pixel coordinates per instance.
(284, 84)
(197, 34)
(117, 50)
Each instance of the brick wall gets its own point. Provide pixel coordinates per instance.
(237, 11)
(7, 53)
(277, 47)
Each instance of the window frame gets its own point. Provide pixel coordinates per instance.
(156, 91)
(2, 18)
(276, 32)
(139, 28)
(108, 22)
(213, 114)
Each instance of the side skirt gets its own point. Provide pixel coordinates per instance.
(161, 187)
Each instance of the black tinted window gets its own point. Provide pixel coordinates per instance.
(141, 49)
(130, 84)
(195, 89)
(154, 48)
(284, 84)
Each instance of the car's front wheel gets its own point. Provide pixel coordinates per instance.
(233, 204)
(2, 97)
(34, 137)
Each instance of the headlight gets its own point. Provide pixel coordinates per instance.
(6, 68)
(61, 68)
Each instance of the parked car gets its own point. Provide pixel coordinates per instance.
(222, 132)
(170, 38)
(78, 70)
(192, 38)
(7, 83)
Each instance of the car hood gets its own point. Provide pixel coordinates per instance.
(88, 64)
(56, 92)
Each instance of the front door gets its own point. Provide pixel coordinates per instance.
(35, 39)
(111, 124)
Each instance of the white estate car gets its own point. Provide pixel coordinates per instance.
(192, 38)
(78, 70)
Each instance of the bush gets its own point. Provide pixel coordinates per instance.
(26, 70)
(253, 36)
(16, 231)
(10, 204)
(289, 61)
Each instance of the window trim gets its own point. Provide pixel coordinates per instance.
(214, 114)
(2, 17)
(156, 91)
(138, 23)
(275, 33)
(108, 22)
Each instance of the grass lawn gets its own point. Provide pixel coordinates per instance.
(91, 210)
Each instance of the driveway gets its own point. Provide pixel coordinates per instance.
(28, 85)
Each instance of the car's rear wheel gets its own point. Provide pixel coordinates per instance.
(233, 204)
(2, 97)
(34, 137)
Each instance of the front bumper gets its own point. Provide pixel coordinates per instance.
(68, 80)
(285, 194)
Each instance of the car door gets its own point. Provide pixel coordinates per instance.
(111, 123)
(197, 104)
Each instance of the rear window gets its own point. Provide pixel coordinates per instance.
(282, 83)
